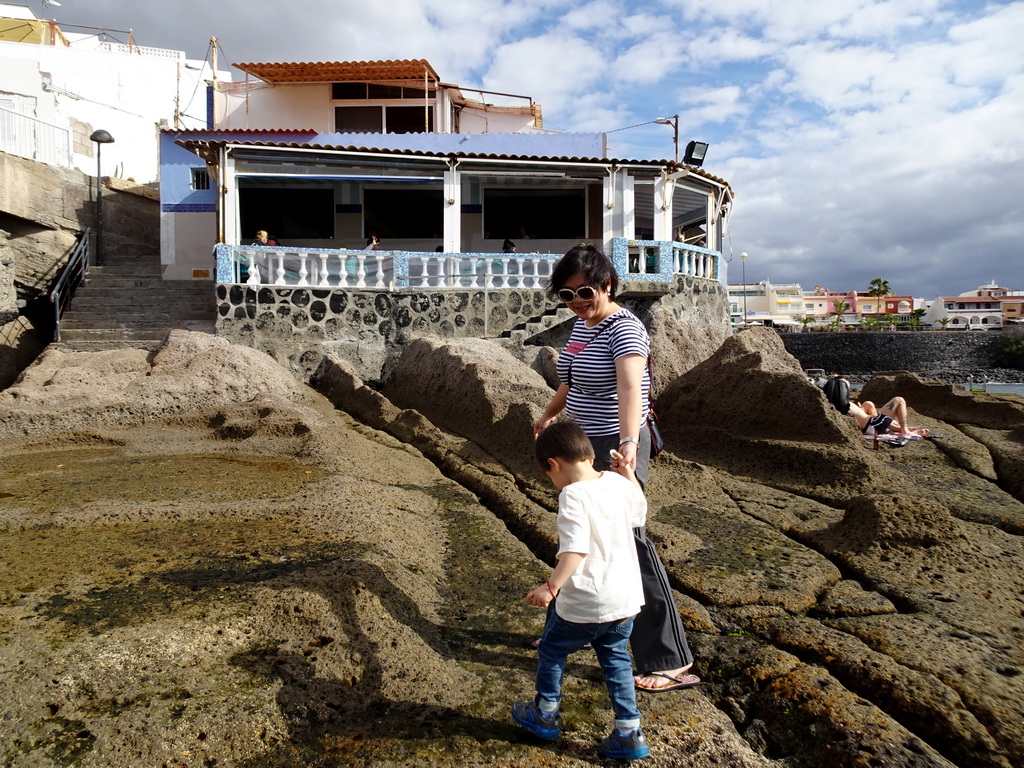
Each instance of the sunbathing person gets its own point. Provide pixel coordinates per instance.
(891, 418)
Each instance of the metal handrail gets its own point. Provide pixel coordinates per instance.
(76, 270)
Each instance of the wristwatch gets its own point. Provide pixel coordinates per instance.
(634, 440)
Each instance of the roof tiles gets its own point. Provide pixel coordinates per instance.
(340, 71)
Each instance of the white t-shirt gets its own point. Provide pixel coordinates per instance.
(597, 517)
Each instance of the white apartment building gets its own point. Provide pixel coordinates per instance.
(57, 86)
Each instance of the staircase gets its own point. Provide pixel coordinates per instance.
(521, 334)
(125, 303)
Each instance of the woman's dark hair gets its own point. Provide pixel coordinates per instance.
(564, 440)
(595, 266)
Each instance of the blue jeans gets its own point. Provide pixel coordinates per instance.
(609, 641)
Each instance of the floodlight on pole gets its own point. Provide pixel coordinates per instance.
(101, 137)
(696, 151)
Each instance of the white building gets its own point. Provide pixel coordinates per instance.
(325, 154)
(764, 303)
(978, 309)
(374, 97)
(58, 86)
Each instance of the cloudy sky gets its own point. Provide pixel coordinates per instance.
(863, 138)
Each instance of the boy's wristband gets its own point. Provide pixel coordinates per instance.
(550, 590)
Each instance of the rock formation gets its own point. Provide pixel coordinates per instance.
(203, 562)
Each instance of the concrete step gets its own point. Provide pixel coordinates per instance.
(148, 283)
(521, 332)
(136, 320)
(102, 346)
(117, 300)
(128, 334)
(113, 334)
(147, 265)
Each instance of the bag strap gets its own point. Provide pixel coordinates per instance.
(650, 386)
(596, 337)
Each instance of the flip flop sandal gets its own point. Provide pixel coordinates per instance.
(683, 681)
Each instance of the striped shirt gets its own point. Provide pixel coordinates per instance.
(589, 370)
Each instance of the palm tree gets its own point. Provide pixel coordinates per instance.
(916, 318)
(879, 287)
(839, 308)
(943, 321)
(805, 320)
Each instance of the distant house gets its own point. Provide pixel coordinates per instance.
(765, 303)
(1013, 308)
(324, 155)
(980, 308)
(58, 84)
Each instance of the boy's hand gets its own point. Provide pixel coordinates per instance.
(624, 467)
(540, 597)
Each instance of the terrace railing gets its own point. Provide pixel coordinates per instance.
(661, 260)
(638, 260)
(381, 270)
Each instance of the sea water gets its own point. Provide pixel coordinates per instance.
(1017, 389)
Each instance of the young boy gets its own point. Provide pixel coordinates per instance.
(597, 583)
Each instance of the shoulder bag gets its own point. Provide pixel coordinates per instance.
(657, 441)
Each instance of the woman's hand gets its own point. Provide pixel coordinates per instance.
(555, 407)
(542, 423)
(626, 457)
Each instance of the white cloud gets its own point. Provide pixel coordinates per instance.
(711, 105)
(649, 61)
(552, 68)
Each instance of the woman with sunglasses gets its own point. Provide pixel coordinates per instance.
(605, 386)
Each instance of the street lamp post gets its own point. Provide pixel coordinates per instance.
(101, 137)
(674, 122)
(743, 268)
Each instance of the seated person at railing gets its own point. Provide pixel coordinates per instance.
(508, 246)
(262, 238)
(372, 242)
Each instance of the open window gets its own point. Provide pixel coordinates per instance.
(288, 213)
(535, 213)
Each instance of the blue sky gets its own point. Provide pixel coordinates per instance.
(863, 138)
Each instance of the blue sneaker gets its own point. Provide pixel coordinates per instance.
(529, 716)
(632, 747)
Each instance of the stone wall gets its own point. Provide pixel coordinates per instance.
(866, 352)
(8, 296)
(297, 325)
(64, 199)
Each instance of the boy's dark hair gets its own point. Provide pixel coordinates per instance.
(588, 259)
(564, 440)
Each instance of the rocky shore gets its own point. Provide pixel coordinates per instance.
(205, 563)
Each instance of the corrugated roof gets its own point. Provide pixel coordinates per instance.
(208, 149)
(242, 131)
(340, 71)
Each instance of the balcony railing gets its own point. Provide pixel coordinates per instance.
(636, 260)
(382, 270)
(662, 260)
(27, 136)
